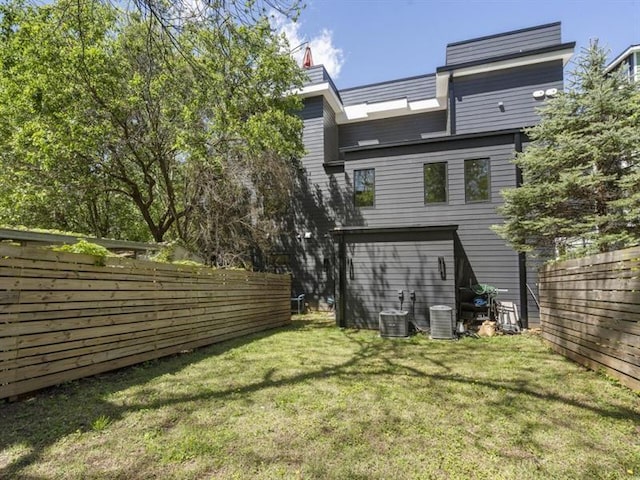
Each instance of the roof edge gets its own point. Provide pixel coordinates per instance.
(390, 229)
(504, 34)
(386, 82)
(444, 138)
(509, 56)
(617, 60)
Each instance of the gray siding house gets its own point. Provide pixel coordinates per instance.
(629, 61)
(401, 180)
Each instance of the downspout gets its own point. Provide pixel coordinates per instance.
(522, 257)
(452, 107)
(342, 282)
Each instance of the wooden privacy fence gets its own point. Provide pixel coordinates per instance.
(62, 317)
(590, 312)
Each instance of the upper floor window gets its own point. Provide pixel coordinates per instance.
(435, 182)
(477, 182)
(365, 187)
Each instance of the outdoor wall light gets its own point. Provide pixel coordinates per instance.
(549, 92)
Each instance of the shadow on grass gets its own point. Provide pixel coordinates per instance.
(54, 413)
(42, 418)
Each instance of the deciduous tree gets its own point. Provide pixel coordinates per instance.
(112, 117)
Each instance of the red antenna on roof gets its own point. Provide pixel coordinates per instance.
(307, 60)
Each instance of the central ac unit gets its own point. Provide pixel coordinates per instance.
(394, 323)
(442, 324)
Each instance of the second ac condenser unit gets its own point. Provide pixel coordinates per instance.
(442, 324)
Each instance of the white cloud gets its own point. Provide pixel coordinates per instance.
(322, 48)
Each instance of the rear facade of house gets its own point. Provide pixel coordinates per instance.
(402, 180)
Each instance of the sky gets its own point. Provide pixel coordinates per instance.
(369, 41)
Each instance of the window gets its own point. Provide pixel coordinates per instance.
(364, 183)
(477, 185)
(435, 182)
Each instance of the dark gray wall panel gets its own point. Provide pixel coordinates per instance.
(381, 268)
(311, 111)
(415, 88)
(324, 196)
(395, 129)
(399, 202)
(477, 97)
(321, 199)
(330, 134)
(315, 74)
(503, 44)
(307, 255)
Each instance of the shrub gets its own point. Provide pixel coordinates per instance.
(87, 248)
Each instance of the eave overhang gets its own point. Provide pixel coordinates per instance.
(342, 231)
(563, 51)
(372, 110)
(619, 59)
(402, 106)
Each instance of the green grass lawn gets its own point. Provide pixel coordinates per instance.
(315, 401)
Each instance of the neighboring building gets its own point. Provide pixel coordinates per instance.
(629, 60)
(401, 181)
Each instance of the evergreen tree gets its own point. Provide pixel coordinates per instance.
(581, 171)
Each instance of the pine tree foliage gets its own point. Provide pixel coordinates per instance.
(581, 171)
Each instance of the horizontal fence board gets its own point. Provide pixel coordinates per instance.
(39, 284)
(52, 337)
(589, 362)
(629, 254)
(617, 270)
(45, 259)
(98, 356)
(588, 350)
(606, 296)
(115, 274)
(36, 253)
(614, 311)
(24, 347)
(606, 345)
(35, 355)
(63, 317)
(628, 328)
(609, 284)
(612, 364)
(594, 277)
(27, 297)
(88, 309)
(128, 321)
(590, 312)
(626, 311)
(29, 385)
(78, 300)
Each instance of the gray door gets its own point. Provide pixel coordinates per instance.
(376, 270)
